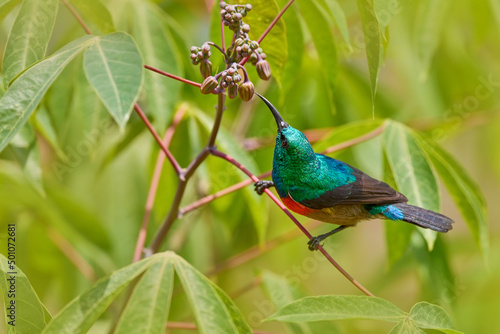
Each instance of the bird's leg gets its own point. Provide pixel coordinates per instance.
(314, 241)
(262, 185)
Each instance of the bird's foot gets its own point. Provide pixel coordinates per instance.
(262, 185)
(314, 242)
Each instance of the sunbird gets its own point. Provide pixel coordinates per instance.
(331, 191)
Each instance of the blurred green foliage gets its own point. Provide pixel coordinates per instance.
(76, 185)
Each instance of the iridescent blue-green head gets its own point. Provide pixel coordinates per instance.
(292, 147)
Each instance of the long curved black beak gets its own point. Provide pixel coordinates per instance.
(279, 120)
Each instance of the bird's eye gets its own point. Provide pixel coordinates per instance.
(284, 142)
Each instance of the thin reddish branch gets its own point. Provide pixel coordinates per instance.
(268, 29)
(77, 16)
(289, 214)
(72, 254)
(141, 239)
(207, 199)
(192, 83)
(148, 124)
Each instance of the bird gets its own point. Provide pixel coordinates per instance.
(332, 191)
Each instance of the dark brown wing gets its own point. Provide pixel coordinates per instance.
(365, 190)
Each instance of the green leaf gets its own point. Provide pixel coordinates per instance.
(495, 7)
(94, 11)
(340, 19)
(406, 327)
(31, 315)
(429, 21)
(324, 42)
(339, 307)
(147, 308)
(29, 36)
(373, 45)
(275, 45)
(281, 292)
(412, 172)
(295, 39)
(6, 6)
(156, 44)
(464, 191)
(113, 67)
(430, 316)
(348, 132)
(214, 311)
(81, 313)
(22, 97)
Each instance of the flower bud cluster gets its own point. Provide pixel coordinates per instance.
(243, 48)
(200, 53)
(232, 14)
(230, 77)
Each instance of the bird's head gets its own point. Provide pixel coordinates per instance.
(290, 142)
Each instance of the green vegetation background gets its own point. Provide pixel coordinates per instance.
(440, 76)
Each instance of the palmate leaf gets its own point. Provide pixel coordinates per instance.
(339, 307)
(31, 315)
(113, 67)
(147, 309)
(422, 315)
(81, 313)
(29, 37)
(214, 311)
(22, 97)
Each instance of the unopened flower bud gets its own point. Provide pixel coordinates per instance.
(232, 91)
(245, 28)
(229, 8)
(237, 16)
(263, 69)
(192, 56)
(193, 49)
(239, 42)
(246, 91)
(205, 48)
(248, 7)
(223, 4)
(208, 85)
(254, 45)
(206, 68)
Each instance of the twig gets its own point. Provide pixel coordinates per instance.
(192, 83)
(184, 177)
(77, 16)
(72, 254)
(141, 239)
(207, 199)
(288, 213)
(268, 29)
(148, 124)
